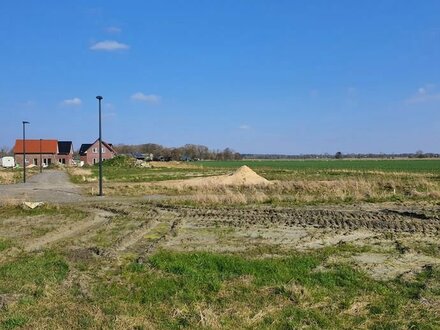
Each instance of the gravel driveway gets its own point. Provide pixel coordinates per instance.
(49, 186)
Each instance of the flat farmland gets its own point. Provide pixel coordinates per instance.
(387, 165)
(214, 245)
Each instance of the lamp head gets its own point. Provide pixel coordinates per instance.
(26, 122)
(99, 97)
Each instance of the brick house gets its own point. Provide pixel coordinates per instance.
(65, 153)
(89, 152)
(46, 150)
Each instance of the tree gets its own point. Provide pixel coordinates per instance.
(338, 155)
(5, 151)
(419, 154)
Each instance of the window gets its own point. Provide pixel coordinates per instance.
(95, 150)
(103, 150)
(35, 161)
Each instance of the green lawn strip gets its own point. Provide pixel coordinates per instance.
(304, 294)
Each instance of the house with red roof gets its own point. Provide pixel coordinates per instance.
(49, 151)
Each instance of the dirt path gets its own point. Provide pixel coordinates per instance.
(67, 231)
(49, 186)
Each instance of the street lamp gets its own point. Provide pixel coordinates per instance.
(24, 150)
(100, 146)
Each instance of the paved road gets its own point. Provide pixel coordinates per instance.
(49, 186)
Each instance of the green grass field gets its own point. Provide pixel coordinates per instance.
(211, 291)
(388, 165)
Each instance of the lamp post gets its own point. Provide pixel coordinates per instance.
(24, 150)
(100, 146)
(41, 164)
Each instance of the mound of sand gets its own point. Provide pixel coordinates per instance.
(244, 176)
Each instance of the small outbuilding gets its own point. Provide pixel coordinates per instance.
(7, 162)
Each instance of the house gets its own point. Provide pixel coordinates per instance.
(46, 150)
(89, 152)
(49, 151)
(65, 153)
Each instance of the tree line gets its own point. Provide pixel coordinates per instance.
(186, 152)
(340, 155)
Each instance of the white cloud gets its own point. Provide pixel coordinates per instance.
(109, 46)
(141, 97)
(113, 30)
(74, 102)
(244, 127)
(424, 94)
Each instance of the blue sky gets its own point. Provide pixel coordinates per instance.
(274, 76)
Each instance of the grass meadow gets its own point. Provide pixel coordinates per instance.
(207, 290)
(294, 182)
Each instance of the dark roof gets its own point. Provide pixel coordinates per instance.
(84, 148)
(64, 147)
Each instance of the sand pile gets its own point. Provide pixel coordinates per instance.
(244, 176)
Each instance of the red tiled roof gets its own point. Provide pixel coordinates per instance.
(33, 146)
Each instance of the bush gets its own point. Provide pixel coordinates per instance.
(120, 161)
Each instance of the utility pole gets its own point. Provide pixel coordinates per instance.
(41, 164)
(100, 146)
(24, 150)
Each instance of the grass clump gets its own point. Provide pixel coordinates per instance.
(29, 274)
(5, 244)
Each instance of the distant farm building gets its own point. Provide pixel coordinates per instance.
(49, 151)
(89, 152)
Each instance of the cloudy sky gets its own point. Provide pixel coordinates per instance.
(273, 76)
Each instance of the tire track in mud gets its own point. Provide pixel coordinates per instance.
(152, 219)
(154, 226)
(69, 230)
(383, 220)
